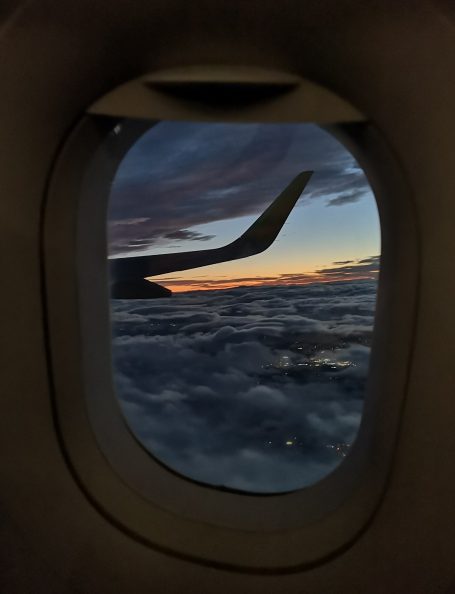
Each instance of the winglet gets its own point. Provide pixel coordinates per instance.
(266, 228)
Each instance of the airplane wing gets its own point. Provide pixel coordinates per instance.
(128, 274)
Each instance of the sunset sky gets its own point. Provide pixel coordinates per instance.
(190, 186)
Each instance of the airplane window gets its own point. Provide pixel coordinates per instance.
(244, 262)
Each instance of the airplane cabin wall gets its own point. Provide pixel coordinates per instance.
(392, 60)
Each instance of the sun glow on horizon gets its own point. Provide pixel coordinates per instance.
(355, 270)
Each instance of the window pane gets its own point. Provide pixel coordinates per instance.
(252, 375)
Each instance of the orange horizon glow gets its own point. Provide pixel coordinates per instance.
(183, 285)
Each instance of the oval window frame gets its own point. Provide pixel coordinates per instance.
(242, 532)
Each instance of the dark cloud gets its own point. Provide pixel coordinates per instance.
(248, 387)
(185, 235)
(366, 268)
(184, 174)
(346, 198)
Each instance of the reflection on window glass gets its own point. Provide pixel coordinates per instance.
(242, 366)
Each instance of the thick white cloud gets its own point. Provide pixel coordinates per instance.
(249, 387)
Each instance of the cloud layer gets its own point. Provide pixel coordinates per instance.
(257, 389)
